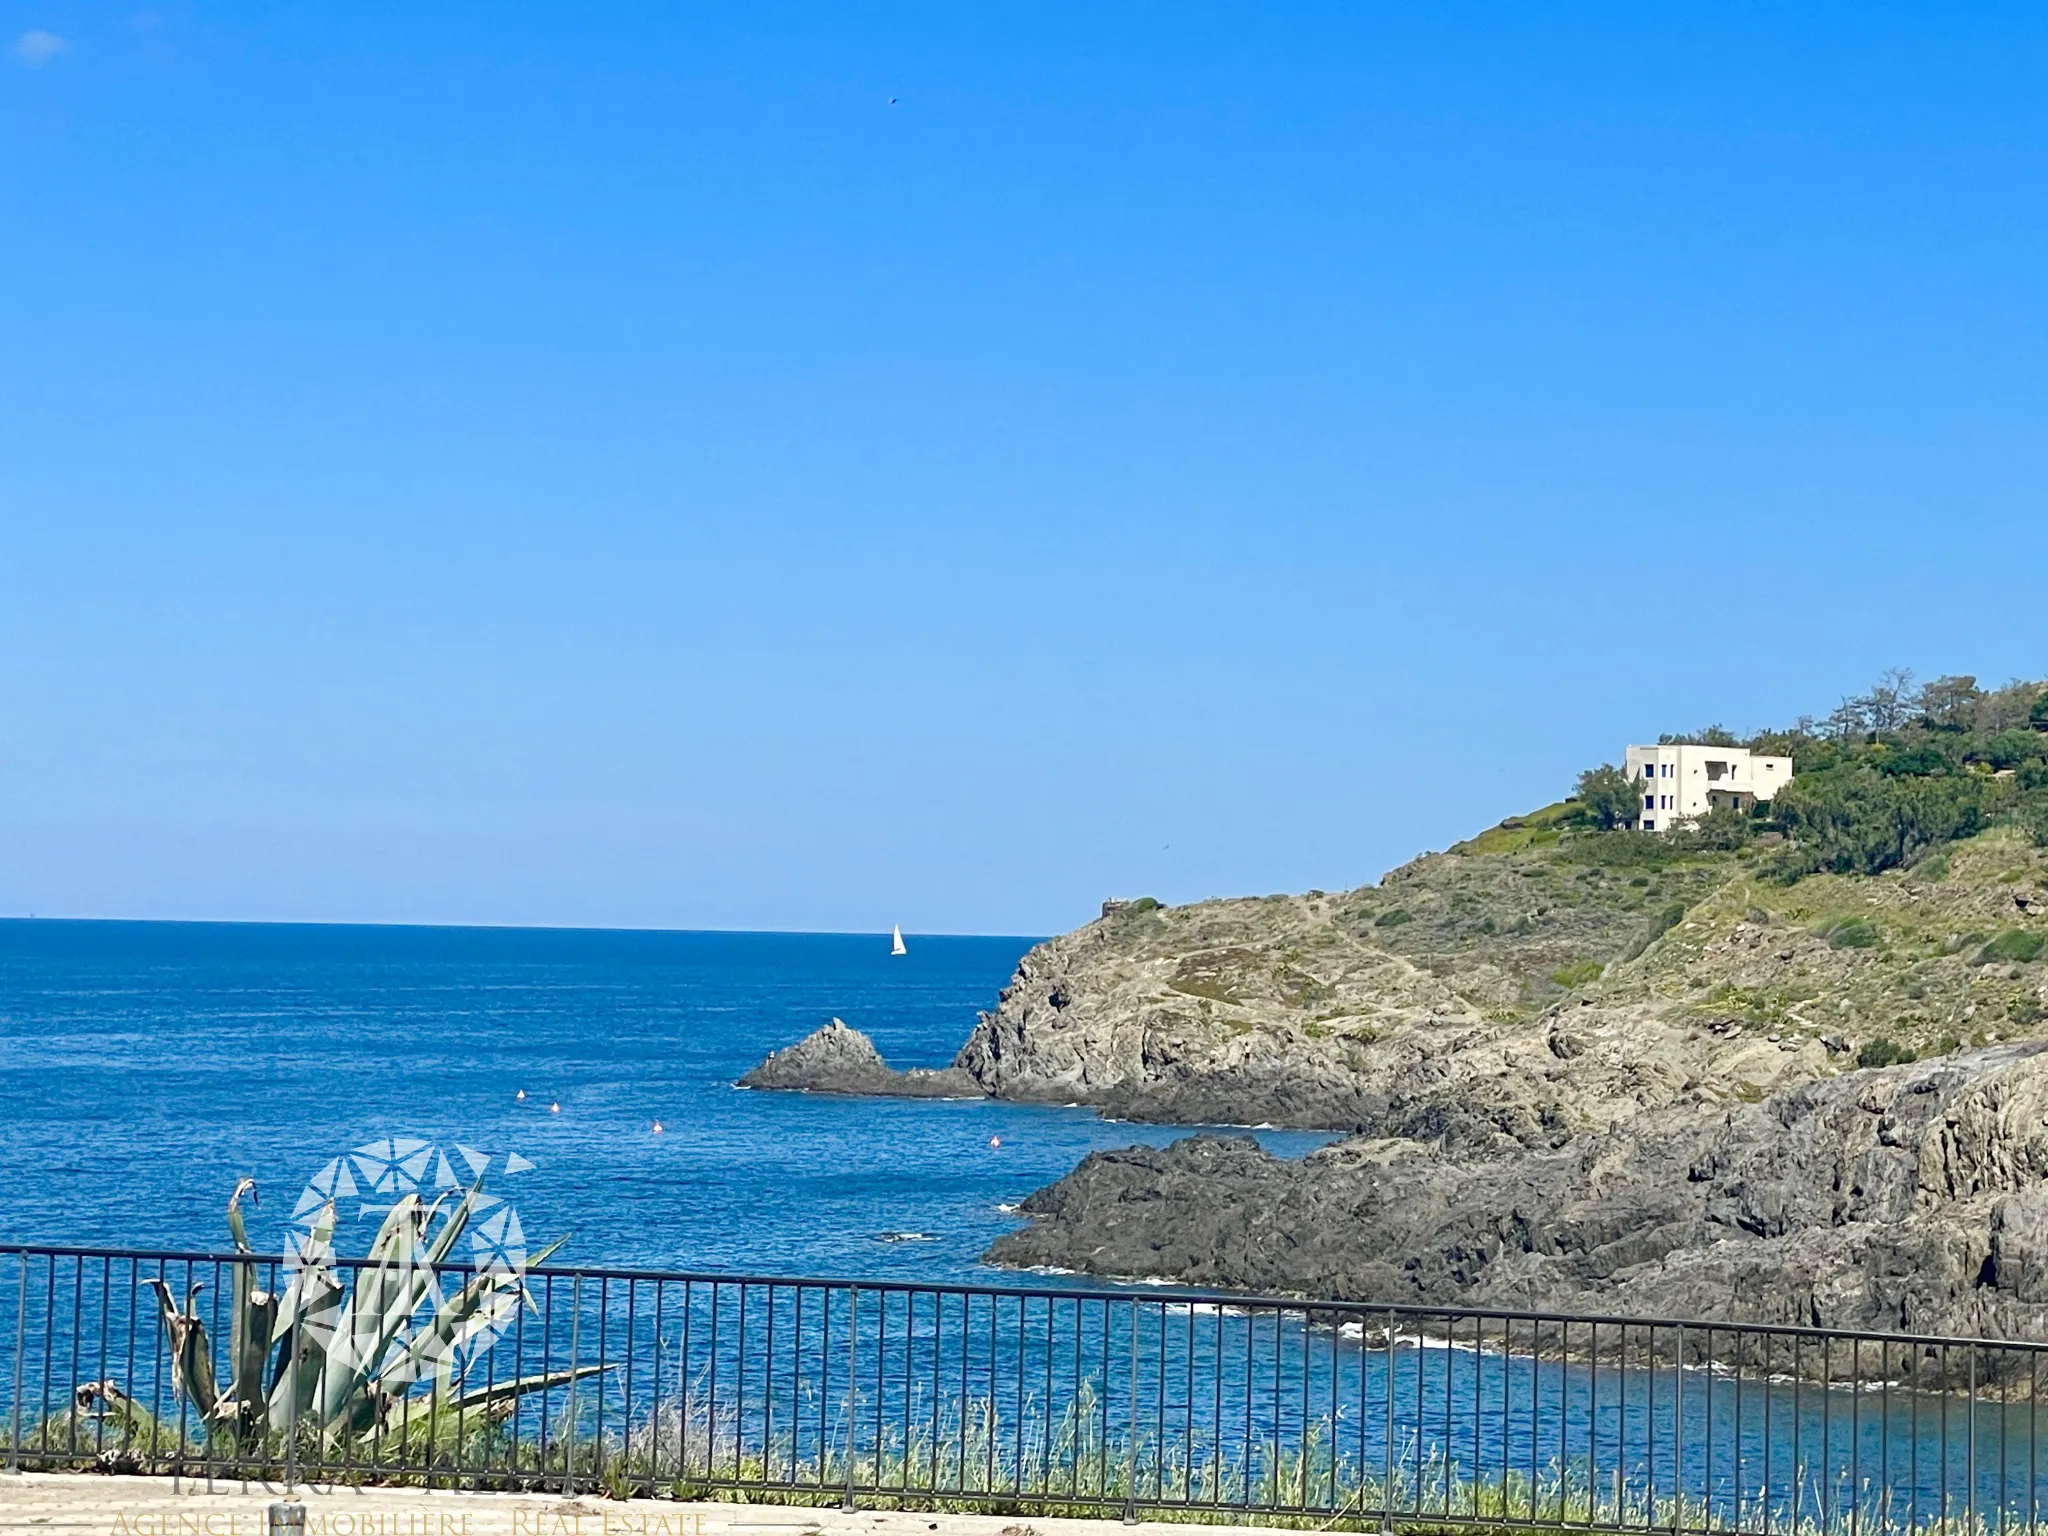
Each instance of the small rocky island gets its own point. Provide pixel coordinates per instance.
(840, 1059)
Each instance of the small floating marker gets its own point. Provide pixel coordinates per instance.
(657, 1127)
(520, 1095)
(995, 1141)
(555, 1108)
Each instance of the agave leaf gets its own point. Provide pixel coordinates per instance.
(435, 1417)
(191, 1355)
(307, 1321)
(508, 1392)
(548, 1250)
(312, 1280)
(486, 1300)
(458, 1220)
(235, 1225)
(254, 1321)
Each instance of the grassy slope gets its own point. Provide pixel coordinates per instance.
(1693, 968)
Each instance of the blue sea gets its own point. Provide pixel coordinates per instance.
(144, 1067)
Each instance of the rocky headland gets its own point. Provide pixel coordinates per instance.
(1572, 1072)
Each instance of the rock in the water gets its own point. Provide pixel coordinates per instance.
(840, 1059)
(1912, 1198)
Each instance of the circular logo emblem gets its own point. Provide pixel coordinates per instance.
(442, 1257)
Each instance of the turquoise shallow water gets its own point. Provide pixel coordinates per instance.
(144, 1066)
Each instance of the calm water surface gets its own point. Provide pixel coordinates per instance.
(144, 1066)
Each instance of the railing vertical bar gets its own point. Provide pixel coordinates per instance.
(1507, 1420)
(632, 1350)
(1478, 1409)
(655, 1422)
(1827, 1434)
(796, 1376)
(1884, 1436)
(989, 1427)
(881, 1380)
(852, 1393)
(2033, 1439)
(1358, 1496)
(78, 1312)
(1017, 1412)
(604, 1330)
(938, 1370)
(575, 1360)
(2004, 1425)
(1798, 1429)
(1735, 1432)
(912, 1386)
(1564, 1415)
(49, 1347)
(1159, 1413)
(99, 1438)
(20, 1356)
(547, 1364)
(1913, 1438)
(1855, 1437)
(1945, 1415)
(1970, 1450)
(128, 1376)
(1707, 1358)
(739, 1385)
(1678, 1431)
(824, 1382)
(717, 1289)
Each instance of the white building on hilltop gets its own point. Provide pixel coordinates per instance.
(1684, 780)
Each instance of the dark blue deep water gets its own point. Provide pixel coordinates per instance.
(144, 1066)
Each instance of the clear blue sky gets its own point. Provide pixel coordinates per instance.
(609, 465)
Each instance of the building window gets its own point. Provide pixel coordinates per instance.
(1649, 826)
(1649, 802)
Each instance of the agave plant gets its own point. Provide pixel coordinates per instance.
(341, 1361)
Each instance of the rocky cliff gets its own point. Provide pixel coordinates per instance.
(1908, 1198)
(1509, 994)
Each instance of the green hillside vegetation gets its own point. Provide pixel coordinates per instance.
(1887, 777)
(1893, 902)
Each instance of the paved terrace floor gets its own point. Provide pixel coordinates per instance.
(90, 1505)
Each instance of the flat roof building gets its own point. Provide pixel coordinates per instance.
(1682, 781)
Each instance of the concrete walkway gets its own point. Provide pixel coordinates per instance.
(91, 1505)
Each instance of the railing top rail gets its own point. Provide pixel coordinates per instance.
(1163, 1294)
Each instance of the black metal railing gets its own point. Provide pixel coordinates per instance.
(1106, 1401)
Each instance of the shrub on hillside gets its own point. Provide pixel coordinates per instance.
(1881, 1052)
(2015, 946)
(1856, 820)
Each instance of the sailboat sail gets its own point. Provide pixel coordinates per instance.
(896, 941)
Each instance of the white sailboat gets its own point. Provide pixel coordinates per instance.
(896, 941)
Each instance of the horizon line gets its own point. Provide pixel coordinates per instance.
(287, 922)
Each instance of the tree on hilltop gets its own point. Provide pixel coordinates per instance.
(1607, 797)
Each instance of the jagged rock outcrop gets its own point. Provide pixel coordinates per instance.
(1509, 996)
(838, 1058)
(1910, 1198)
